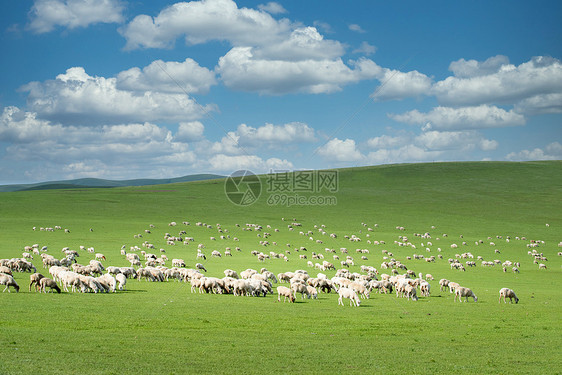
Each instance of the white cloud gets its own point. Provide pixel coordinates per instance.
(189, 131)
(77, 98)
(553, 151)
(170, 77)
(47, 14)
(396, 85)
(202, 21)
(24, 127)
(446, 118)
(272, 7)
(304, 43)
(505, 84)
(340, 150)
(405, 154)
(241, 70)
(366, 49)
(539, 104)
(356, 28)
(386, 141)
(460, 141)
(472, 68)
(254, 163)
(291, 133)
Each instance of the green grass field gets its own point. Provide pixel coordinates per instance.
(164, 328)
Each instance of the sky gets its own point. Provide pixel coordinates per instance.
(156, 89)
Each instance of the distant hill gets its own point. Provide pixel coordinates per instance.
(84, 183)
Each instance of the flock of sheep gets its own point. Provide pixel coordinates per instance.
(95, 277)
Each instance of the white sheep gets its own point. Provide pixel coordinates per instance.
(509, 293)
(464, 292)
(286, 293)
(9, 282)
(348, 293)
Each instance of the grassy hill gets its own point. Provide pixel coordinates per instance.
(163, 327)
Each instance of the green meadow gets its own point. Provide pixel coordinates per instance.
(163, 328)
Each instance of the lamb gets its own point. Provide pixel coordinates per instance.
(286, 293)
(46, 282)
(9, 282)
(509, 293)
(34, 279)
(122, 280)
(348, 293)
(464, 292)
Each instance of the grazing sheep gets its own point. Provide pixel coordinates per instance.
(199, 266)
(464, 292)
(348, 293)
(312, 292)
(509, 293)
(50, 283)
(444, 283)
(542, 266)
(286, 293)
(9, 282)
(300, 288)
(34, 279)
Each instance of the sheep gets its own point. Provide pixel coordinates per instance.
(452, 286)
(6, 270)
(34, 279)
(9, 282)
(108, 282)
(410, 292)
(542, 266)
(231, 273)
(46, 282)
(425, 288)
(199, 266)
(348, 293)
(286, 293)
(509, 293)
(312, 292)
(444, 283)
(298, 287)
(464, 292)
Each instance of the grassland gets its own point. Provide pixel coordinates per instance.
(163, 328)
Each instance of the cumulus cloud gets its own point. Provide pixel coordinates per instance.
(447, 118)
(268, 136)
(202, 21)
(471, 68)
(272, 8)
(405, 154)
(397, 85)
(241, 70)
(539, 104)
(460, 141)
(340, 150)
(171, 77)
(553, 151)
(365, 48)
(291, 133)
(230, 163)
(304, 43)
(45, 15)
(496, 81)
(189, 131)
(78, 98)
(386, 141)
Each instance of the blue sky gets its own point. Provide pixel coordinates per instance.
(122, 89)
